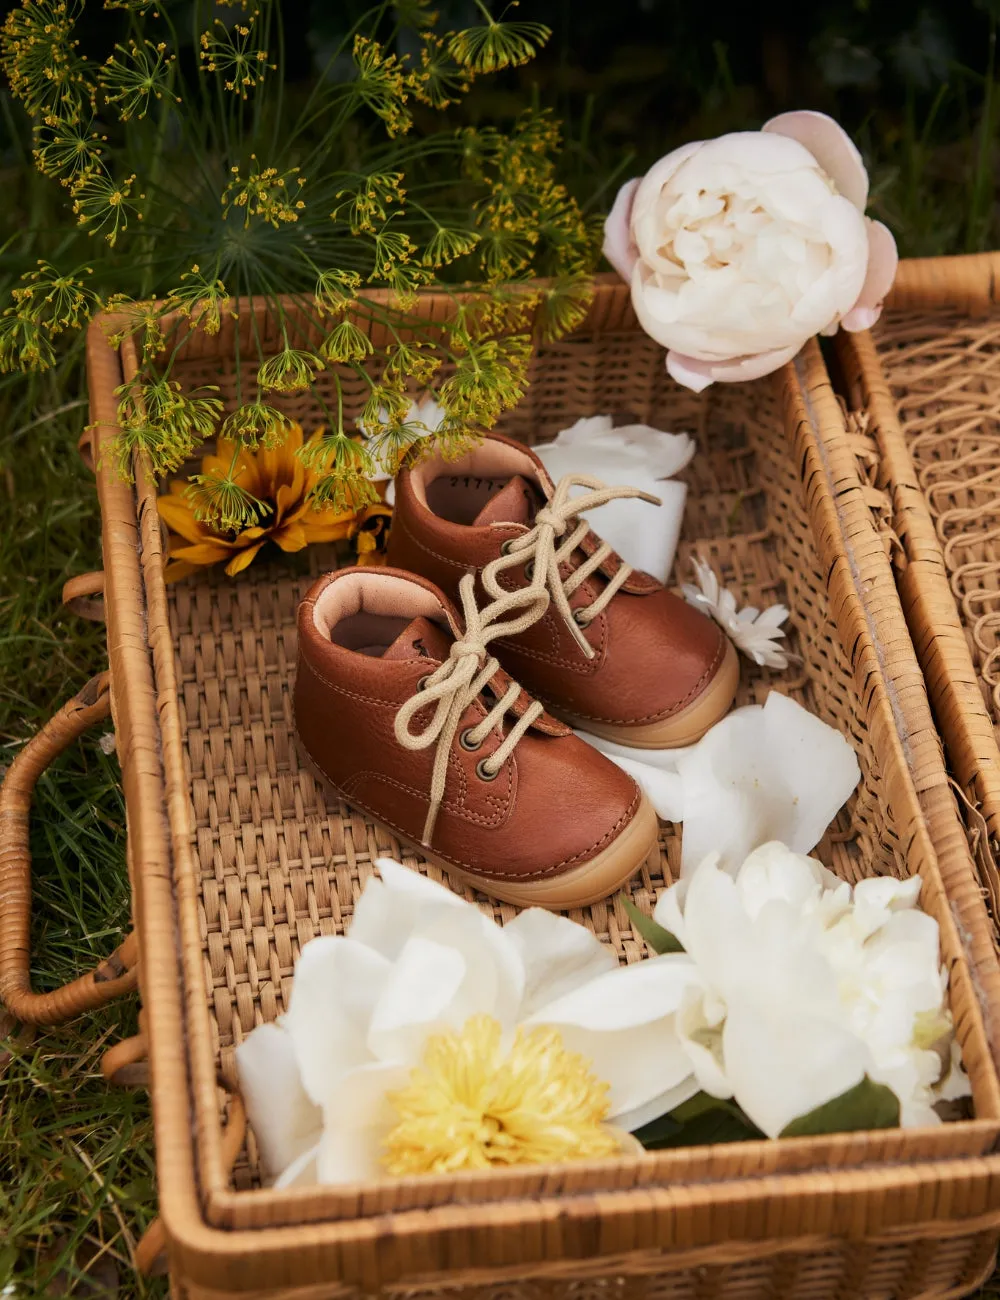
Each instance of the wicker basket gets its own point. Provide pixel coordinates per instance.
(239, 858)
(926, 382)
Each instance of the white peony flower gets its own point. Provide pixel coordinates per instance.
(766, 772)
(754, 632)
(420, 960)
(632, 455)
(741, 248)
(805, 987)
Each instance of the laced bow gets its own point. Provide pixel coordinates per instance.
(456, 683)
(537, 549)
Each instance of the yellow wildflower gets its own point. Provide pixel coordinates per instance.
(279, 481)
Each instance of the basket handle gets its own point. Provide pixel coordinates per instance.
(84, 595)
(116, 975)
(151, 1250)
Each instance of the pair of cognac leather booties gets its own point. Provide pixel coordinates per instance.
(440, 694)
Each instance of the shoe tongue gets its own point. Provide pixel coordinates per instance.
(515, 503)
(420, 638)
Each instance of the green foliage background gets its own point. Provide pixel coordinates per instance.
(916, 86)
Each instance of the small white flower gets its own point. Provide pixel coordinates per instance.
(753, 631)
(632, 455)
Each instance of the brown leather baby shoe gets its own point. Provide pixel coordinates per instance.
(615, 653)
(401, 708)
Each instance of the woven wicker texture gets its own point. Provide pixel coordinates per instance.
(903, 1270)
(241, 858)
(928, 382)
(281, 860)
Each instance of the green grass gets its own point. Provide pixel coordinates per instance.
(76, 1158)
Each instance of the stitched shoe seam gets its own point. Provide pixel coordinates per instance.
(400, 522)
(461, 811)
(607, 838)
(694, 692)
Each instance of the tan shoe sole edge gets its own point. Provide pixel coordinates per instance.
(680, 729)
(588, 883)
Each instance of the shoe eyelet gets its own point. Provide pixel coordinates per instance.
(422, 684)
(506, 546)
(529, 570)
(466, 742)
(483, 773)
(580, 618)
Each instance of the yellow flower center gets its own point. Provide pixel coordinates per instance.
(471, 1105)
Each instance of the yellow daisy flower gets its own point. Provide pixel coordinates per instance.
(277, 478)
(472, 1105)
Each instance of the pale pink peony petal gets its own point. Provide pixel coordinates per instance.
(860, 318)
(832, 148)
(619, 249)
(696, 375)
(883, 260)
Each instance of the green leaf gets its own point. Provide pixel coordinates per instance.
(658, 1132)
(702, 1120)
(659, 940)
(865, 1106)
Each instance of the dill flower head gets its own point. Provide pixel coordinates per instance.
(137, 75)
(264, 192)
(471, 1105)
(41, 58)
(232, 53)
(288, 371)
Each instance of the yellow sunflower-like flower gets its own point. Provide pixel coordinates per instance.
(472, 1105)
(278, 479)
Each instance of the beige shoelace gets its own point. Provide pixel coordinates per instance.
(537, 550)
(459, 680)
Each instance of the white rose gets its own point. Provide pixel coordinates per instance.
(741, 248)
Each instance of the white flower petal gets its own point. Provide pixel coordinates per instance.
(358, 1117)
(619, 248)
(644, 535)
(301, 1172)
(422, 993)
(663, 760)
(701, 1037)
(558, 956)
(668, 911)
(816, 763)
(883, 261)
(782, 1063)
(832, 148)
(337, 983)
(772, 872)
(391, 909)
(622, 1023)
(666, 1101)
(663, 789)
(285, 1122)
(624, 998)
(697, 375)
